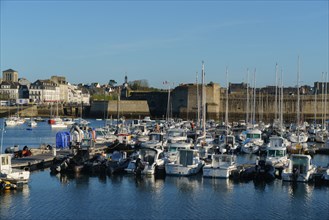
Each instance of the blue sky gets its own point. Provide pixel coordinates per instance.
(95, 41)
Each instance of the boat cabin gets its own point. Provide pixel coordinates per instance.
(222, 160)
(5, 163)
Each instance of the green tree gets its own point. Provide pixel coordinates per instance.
(112, 82)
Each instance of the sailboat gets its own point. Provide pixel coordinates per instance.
(253, 136)
(321, 135)
(227, 143)
(222, 164)
(202, 144)
(297, 136)
(57, 121)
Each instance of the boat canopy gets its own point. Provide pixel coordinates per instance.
(62, 139)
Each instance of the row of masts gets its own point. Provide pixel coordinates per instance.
(251, 101)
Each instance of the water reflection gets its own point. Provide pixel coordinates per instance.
(218, 184)
(299, 190)
(185, 184)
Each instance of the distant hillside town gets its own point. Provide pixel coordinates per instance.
(137, 99)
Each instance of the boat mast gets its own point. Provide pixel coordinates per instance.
(298, 113)
(254, 100)
(226, 105)
(247, 110)
(203, 102)
(118, 107)
(197, 100)
(168, 104)
(281, 101)
(322, 100)
(325, 100)
(276, 93)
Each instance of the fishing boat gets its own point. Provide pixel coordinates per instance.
(188, 163)
(221, 166)
(7, 173)
(300, 168)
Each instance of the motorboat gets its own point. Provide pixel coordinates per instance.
(227, 143)
(173, 148)
(152, 159)
(187, 163)
(148, 161)
(10, 122)
(221, 166)
(32, 123)
(253, 141)
(276, 151)
(7, 173)
(117, 162)
(300, 168)
(177, 135)
(155, 140)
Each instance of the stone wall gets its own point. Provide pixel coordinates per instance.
(126, 108)
(265, 107)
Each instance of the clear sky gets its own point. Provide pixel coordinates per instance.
(95, 41)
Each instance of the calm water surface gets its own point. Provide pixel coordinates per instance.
(125, 197)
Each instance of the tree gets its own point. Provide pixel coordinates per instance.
(139, 84)
(112, 82)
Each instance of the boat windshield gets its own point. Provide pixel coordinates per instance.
(176, 134)
(173, 149)
(300, 163)
(148, 155)
(155, 137)
(276, 153)
(253, 135)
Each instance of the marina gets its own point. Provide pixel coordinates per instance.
(238, 187)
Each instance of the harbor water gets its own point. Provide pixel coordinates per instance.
(59, 196)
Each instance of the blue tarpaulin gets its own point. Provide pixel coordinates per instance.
(62, 139)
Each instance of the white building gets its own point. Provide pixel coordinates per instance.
(44, 91)
(63, 87)
(78, 95)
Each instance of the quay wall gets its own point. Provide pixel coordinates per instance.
(265, 108)
(113, 108)
(184, 105)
